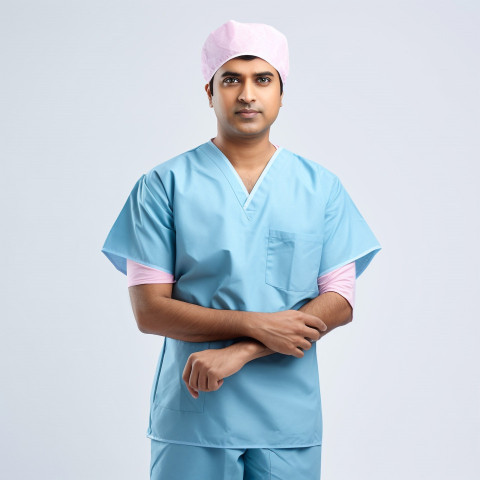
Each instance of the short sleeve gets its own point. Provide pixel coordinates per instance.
(144, 230)
(341, 280)
(138, 274)
(347, 236)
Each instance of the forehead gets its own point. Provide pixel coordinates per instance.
(247, 67)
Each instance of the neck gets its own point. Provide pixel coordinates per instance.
(248, 153)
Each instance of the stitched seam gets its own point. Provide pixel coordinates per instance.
(270, 462)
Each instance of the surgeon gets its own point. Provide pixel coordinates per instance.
(242, 255)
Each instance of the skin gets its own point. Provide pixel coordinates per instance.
(206, 369)
(245, 142)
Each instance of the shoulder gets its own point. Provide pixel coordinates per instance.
(313, 166)
(323, 178)
(175, 164)
(162, 176)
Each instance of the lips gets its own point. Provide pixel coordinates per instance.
(247, 113)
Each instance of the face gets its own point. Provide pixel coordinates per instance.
(245, 84)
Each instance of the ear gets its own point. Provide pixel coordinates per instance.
(207, 89)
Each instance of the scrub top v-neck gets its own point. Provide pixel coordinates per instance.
(192, 216)
(234, 179)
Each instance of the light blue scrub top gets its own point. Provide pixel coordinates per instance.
(192, 216)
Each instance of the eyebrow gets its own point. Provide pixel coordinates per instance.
(235, 74)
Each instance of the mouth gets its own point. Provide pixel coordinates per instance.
(247, 113)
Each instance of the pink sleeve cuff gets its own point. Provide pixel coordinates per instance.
(341, 280)
(138, 274)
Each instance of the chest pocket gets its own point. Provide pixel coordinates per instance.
(293, 260)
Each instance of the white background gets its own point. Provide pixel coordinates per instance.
(383, 93)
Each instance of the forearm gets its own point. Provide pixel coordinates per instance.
(193, 323)
(331, 307)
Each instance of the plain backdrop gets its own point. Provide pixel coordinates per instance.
(383, 93)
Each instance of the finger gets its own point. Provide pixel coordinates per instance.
(187, 371)
(193, 381)
(315, 322)
(193, 392)
(306, 344)
(303, 343)
(314, 334)
(300, 353)
(202, 381)
(321, 326)
(186, 379)
(214, 383)
(211, 381)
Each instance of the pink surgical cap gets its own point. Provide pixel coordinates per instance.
(233, 39)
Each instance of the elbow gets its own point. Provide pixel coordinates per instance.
(148, 310)
(141, 323)
(348, 314)
(142, 327)
(150, 323)
(138, 312)
(143, 319)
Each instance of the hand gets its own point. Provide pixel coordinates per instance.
(205, 370)
(289, 332)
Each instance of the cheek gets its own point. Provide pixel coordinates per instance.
(221, 105)
(218, 106)
(274, 109)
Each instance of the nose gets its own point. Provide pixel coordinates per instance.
(247, 95)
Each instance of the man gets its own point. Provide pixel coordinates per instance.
(226, 248)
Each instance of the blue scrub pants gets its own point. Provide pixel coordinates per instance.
(173, 461)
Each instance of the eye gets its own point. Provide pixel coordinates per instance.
(265, 78)
(229, 78)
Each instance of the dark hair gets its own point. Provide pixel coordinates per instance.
(248, 57)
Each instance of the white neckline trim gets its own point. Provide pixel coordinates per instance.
(259, 180)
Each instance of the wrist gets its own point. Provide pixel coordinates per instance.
(252, 349)
(247, 349)
(249, 324)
